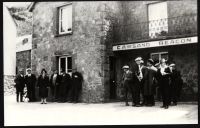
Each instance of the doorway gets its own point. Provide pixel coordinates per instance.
(112, 61)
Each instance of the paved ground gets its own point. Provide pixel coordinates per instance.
(95, 114)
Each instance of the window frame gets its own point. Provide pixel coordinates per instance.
(59, 20)
(160, 54)
(153, 33)
(66, 64)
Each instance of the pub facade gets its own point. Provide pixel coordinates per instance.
(161, 29)
(97, 38)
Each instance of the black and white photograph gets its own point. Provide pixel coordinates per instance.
(80, 63)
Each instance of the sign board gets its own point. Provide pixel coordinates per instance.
(178, 41)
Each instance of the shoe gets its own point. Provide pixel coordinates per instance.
(166, 107)
(173, 104)
(133, 105)
(42, 103)
(149, 105)
(162, 106)
(45, 103)
(127, 104)
(138, 105)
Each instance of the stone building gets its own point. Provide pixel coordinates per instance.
(23, 52)
(98, 38)
(159, 30)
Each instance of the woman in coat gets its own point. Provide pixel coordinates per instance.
(43, 84)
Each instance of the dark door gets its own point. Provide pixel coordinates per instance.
(112, 78)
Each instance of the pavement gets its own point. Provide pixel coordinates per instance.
(53, 113)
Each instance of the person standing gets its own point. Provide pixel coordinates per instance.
(149, 84)
(30, 81)
(140, 74)
(176, 84)
(55, 83)
(43, 84)
(163, 75)
(127, 80)
(19, 85)
(77, 80)
(64, 86)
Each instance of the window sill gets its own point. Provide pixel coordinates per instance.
(65, 34)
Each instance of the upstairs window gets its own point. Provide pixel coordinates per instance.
(65, 19)
(158, 22)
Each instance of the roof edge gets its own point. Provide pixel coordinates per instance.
(31, 6)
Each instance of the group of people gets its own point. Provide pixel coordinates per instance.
(64, 88)
(143, 80)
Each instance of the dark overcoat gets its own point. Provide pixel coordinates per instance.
(149, 81)
(30, 81)
(57, 82)
(43, 84)
(77, 80)
(19, 82)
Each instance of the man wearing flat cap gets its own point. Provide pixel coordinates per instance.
(19, 85)
(127, 82)
(30, 81)
(176, 84)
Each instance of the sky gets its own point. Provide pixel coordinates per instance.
(16, 4)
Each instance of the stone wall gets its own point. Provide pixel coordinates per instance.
(85, 45)
(23, 60)
(9, 88)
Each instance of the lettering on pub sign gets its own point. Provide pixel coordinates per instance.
(159, 43)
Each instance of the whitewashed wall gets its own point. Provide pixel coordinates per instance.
(9, 43)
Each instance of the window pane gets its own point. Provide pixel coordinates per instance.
(158, 21)
(66, 19)
(69, 64)
(62, 64)
(155, 58)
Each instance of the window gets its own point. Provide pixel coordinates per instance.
(65, 19)
(65, 63)
(158, 22)
(157, 56)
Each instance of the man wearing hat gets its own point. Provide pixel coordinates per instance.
(127, 80)
(149, 84)
(19, 85)
(64, 86)
(76, 87)
(140, 73)
(30, 81)
(176, 84)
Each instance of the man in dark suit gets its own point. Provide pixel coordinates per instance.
(77, 80)
(149, 84)
(54, 84)
(64, 86)
(176, 84)
(140, 75)
(127, 80)
(30, 81)
(20, 84)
